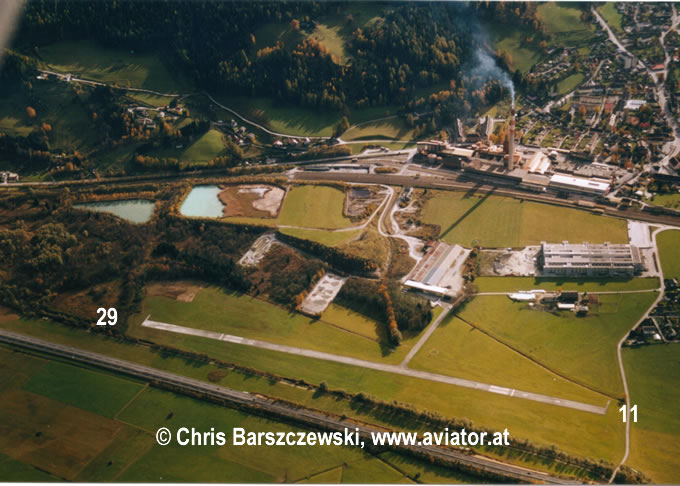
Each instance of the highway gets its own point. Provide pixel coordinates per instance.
(298, 414)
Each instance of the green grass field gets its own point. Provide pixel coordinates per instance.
(214, 310)
(301, 121)
(325, 237)
(117, 158)
(393, 128)
(293, 120)
(150, 99)
(114, 66)
(209, 464)
(13, 471)
(575, 432)
(653, 374)
(206, 147)
(81, 446)
(570, 83)
(209, 146)
(513, 284)
(611, 16)
(669, 200)
(581, 348)
(371, 328)
(310, 206)
(270, 33)
(71, 126)
(459, 350)
(668, 243)
(494, 221)
(510, 39)
(100, 393)
(563, 22)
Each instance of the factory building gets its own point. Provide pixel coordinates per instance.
(582, 185)
(601, 260)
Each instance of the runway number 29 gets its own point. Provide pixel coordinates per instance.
(111, 313)
(633, 410)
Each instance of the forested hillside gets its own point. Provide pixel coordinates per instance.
(409, 47)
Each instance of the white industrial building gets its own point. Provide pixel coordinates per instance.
(579, 184)
(585, 259)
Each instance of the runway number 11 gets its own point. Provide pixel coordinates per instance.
(633, 410)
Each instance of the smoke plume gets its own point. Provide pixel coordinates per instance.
(487, 67)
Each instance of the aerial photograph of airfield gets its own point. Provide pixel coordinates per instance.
(312, 216)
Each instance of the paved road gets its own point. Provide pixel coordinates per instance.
(298, 414)
(449, 380)
(426, 335)
(620, 358)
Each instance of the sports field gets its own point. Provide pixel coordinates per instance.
(457, 349)
(494, 221)
(653, 374)
(114, 66)
(668, 243)
(310, 206)
(581, 348)
(575, 432)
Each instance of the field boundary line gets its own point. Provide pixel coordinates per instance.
(535, 361)
(129, 402)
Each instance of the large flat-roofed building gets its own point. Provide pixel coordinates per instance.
(569, 259)
(579, 184)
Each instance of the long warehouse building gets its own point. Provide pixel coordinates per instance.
(567, 259)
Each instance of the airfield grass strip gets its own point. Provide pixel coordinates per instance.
(535, 361)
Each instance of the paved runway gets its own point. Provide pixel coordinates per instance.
(450, 380)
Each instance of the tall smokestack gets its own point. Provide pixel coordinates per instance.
(511, 143)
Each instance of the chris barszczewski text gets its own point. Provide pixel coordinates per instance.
(185, 436)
